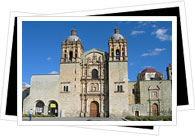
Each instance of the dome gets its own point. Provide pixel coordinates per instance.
(73, 37)
(116, 34)
(149, 70)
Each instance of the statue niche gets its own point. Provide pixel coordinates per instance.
(94, 87)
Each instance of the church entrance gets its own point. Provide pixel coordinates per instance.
(53, 108)
(154, 109)
(137, 113)
(94, 109)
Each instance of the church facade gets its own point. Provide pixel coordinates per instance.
(95, 84)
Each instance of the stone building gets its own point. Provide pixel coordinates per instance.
(95, 84)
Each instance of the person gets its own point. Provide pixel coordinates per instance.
(30, 114)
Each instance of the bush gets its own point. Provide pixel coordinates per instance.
(149, 118)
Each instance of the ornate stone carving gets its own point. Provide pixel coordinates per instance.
(94, 60)
(94, 87)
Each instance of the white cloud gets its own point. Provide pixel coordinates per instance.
(161, 34)
(25, 84)
(131, 64)
(159, 49)
(154, 52)
(154, 26)
(53, 72)
(147, 24)
(137, 32)
(146, 66)
(49, 58)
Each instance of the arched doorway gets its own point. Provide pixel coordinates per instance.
(39, 107)
(53, 108)
(137, 113)
(154, 109)
(94, 109)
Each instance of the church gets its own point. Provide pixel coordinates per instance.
(95, 84)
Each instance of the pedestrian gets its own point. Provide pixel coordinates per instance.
(30, 114)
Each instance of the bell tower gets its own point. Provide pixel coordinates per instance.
(118, 75)
(117, 47)
(72, 49)
(169, 72)
(70, 75)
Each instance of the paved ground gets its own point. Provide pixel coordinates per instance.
(73, 119)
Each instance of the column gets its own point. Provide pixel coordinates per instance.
(78, 52)
(67, 55)
(125, 50)
(121, 57)
(82, 106)
(101, 107)
(62, 56)
(73, 53)
(114, 54)
(86, 107)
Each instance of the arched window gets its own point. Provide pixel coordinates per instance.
(112, 52)
(39, 107)
(70, 55)
(94, 74)
(117, 54)
(76, 53)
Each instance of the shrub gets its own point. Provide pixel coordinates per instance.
(149, 118)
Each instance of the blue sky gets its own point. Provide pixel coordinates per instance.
(149, 44)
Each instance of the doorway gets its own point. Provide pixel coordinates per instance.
(154, 109)
(53, 108)
(94, 109)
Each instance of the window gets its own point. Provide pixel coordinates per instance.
(70, 55)
(94, 74)
(117, 54)
(65, 88)
(75, 53)
(151, 78)
(133, 91)
(112, 52)
(119, 88)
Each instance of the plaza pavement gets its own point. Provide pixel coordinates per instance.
(72, 119)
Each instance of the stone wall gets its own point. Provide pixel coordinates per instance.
(43, 88)
(70, 75)
(164, 93)
(118, 101)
